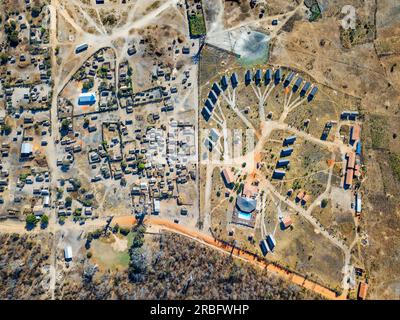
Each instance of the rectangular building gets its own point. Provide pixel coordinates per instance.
(349, 177)
(351, 160)
(355, 133)
(362, 290)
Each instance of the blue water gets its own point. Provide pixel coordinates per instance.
(244, 216)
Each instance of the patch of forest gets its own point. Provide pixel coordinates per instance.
(170, 266)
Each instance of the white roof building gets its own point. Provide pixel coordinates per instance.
(156, 206)
(68, 253)
(26, 148)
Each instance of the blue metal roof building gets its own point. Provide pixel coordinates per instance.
(257, 77)
(209, 105)
(358, 148)
(267, 77)
(206, 114)
(286, 152)
(305, 89)
(271, 242)
(247, 78)
(278, 174)
(216, 89)
(87, 99)
(234, 80)
(212, 97)
(264, 247)
(277, 76)
(297, 85)
(81, 47)
(289, 140)
(288, 79)
(312, 94)
(224, 83)
(282, 163)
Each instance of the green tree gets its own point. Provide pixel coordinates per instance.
(31, 220)
(44, 220)
(3, 58)
(68, 201)
(6, 129)
(65, 124)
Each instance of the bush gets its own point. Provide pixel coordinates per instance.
(68, 202)
(96, 234)
(61, 220)
(324, 203)
(115, 228)
(36, 11)
(124, 231)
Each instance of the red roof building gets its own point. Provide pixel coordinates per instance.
(351, 160)
(349, 177)
(362, 291)
(287, 222)
(355, 133)
(228, 176)
(250, 191)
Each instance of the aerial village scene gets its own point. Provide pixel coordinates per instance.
(201, 118)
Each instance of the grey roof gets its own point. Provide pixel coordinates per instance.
(246, 204)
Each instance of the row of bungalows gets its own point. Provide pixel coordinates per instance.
(259, 76)
(278, 77)
(284, 163)
(268, 244)
(216, 90)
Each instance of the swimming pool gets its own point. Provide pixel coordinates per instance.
(244, 216)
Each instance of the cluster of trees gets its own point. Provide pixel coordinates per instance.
(138, 262)
(12, 33)
(31, 221)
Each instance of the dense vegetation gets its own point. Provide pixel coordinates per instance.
(197, 25)
(394, 159)
(161, 267)
(23, 261)
(173, 267)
